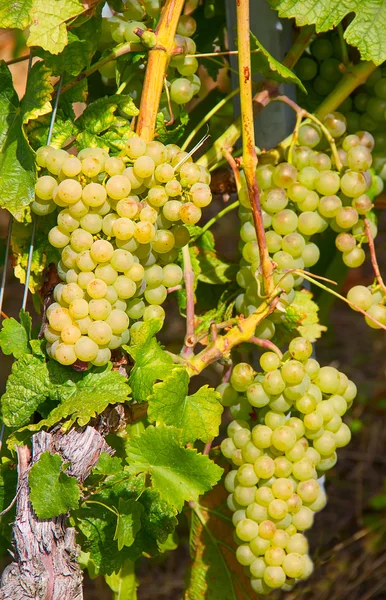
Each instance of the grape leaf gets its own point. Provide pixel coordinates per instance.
(8, 489)
(215, 574)
(151, 362)
(178, 474)
(17, 163)
(48, 28)
(107, 465)
(37, 131)
(302, 316)
(129, 522)
(100, 115)
(52, 492)
(37, 97)
(123, 582)
(81, 395)
(213, 268)
(77, 54)
(98, 523)
(171, 135)
(366, 30)
(198, 415)
(265, 64)
(14, 336)
(15, 14)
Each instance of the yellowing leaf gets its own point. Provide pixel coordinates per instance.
(48, 28)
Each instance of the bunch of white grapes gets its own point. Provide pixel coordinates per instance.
(120, 225)
(287, 428)
(300, 200)
(182, 81)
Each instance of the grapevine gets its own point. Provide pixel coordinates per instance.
(110, 178)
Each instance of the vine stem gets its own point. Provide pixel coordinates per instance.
(190, 337)
(248, 138)
(262, 98)
(157, 65)
(242, 332)
(116, 53)
(373, 256)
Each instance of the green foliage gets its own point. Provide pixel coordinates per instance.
(366, 30)
(123, 582)
(264, 63)
(302, 316)
(171, 135)
(48, 28)
(77, 54)
(14, 336)
(97, 521)
(52, 492)
(129, 522)
(151, 362)
(78, 396)
(198, 415)
(15, 14)
(37, 97)
(211, 267)
(17, 165)
(178, 474)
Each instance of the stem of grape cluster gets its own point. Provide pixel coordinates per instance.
(156, 68)
(373, 256)
(267, 344)
(248, 138)
(240, 333)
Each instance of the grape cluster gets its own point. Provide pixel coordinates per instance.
(322, 68)
(182, 81)
(300, 200)
(119, 230)
(287, 428)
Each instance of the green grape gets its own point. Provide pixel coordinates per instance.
(274, 200)
(102, 358)
(100, 332)
(306, 69)
(321, 161)
(242, 377)
(360, 296)
(346, 217)
(181, 91)
(65, 353)
(310, 202)
(261, 436)
(285, 222)
(354, 258)
(359, 158)
(54, 160)
(58, 238)
(274, 577)
(45, 187)
(309, 135)
(362, 204)
(328, 183)
(186, 25)
(310, 255)
(345, 242)
(322, 48)
(86, 349)
(336, 123)
(353, 184)
(378, 312)
(269, 361)
(329, 206)
(125, 287)
(308, 177)
(94, 194)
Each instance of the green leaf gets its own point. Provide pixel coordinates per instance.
(27, 387)
(366, 30)
(178, 474)
(302, 316)
(14, 336)
(107, 465)
(265, 64)
(17, 163)
(14, 14)
(48, 28)
(37, 98)
(171, 135)
(82, 395)
(151, 362)
(199, 415)
(37, 131)
(213, 269)
(52, 492)
(129, 522)
(76, 56)
(215, 573)
(97, 522)
(123, 582)
(100, 115)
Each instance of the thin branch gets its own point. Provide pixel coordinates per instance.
(174, 289)
(120, 51)
(373, 256)
(343, 45)
(207, 117)
(190, 338)
(267, 344)
(13, 61)
(302, 112)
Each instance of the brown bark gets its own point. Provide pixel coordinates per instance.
(45, 551)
